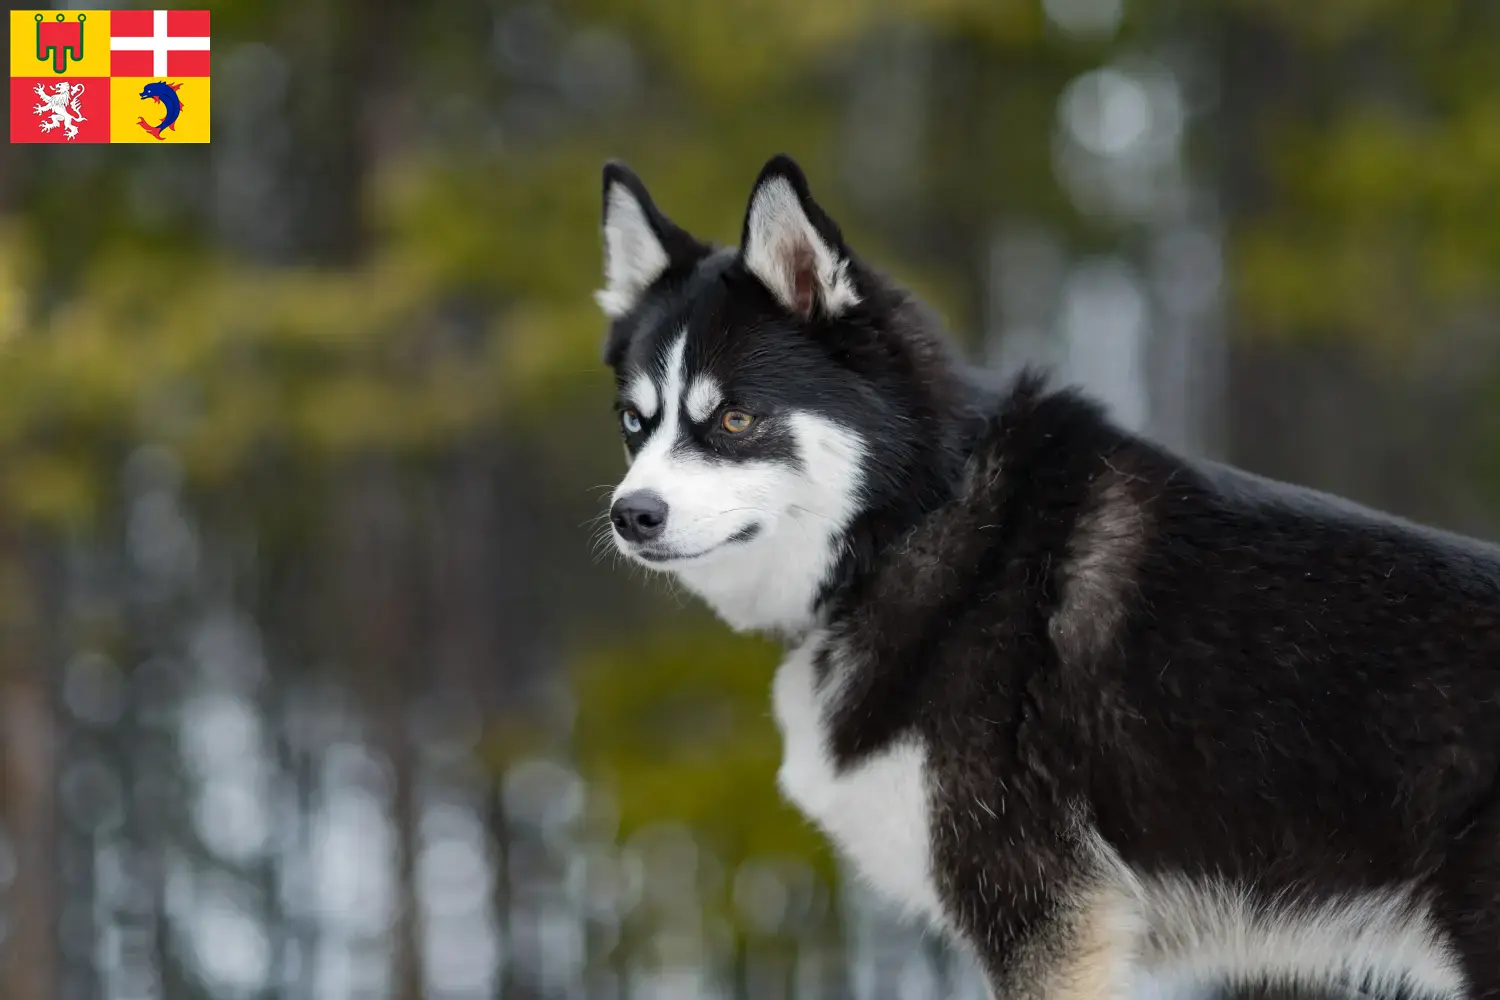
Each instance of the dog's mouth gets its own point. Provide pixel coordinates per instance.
(661, 556)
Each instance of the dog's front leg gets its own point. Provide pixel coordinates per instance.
(1078, 945)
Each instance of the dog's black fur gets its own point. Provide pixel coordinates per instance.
(1294, 693)
(1231, 677)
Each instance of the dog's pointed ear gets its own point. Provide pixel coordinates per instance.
(640, 244)
(793, 247)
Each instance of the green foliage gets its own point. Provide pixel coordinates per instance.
(678, 723)
(324, 362)
(1377, 221)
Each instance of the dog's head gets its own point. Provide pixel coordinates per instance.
(772, 398)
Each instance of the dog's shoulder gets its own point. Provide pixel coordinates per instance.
(1044, 473)
(1070, 526)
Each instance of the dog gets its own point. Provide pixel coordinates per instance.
(1093, 709)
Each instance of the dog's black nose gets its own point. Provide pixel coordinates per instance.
(639, 516)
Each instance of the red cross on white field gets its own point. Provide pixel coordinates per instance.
(135, 33)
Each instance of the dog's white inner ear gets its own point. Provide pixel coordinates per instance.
(784, 250)
(634, 256)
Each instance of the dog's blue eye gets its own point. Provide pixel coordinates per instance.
(631, 421)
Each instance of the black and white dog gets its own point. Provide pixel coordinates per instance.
(1089, 707)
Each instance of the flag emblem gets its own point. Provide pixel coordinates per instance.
(58, 39)
(61, 104)
(109, 76)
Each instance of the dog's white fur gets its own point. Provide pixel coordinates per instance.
(1209, 931)
(878, 812)
(703, 397)
(643, 396)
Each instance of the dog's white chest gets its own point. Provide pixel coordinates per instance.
(877, 813)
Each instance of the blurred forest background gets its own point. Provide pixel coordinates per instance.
(310, 686)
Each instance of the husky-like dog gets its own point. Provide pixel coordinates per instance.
(1090, 708)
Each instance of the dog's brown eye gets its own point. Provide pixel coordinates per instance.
(736, 420)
